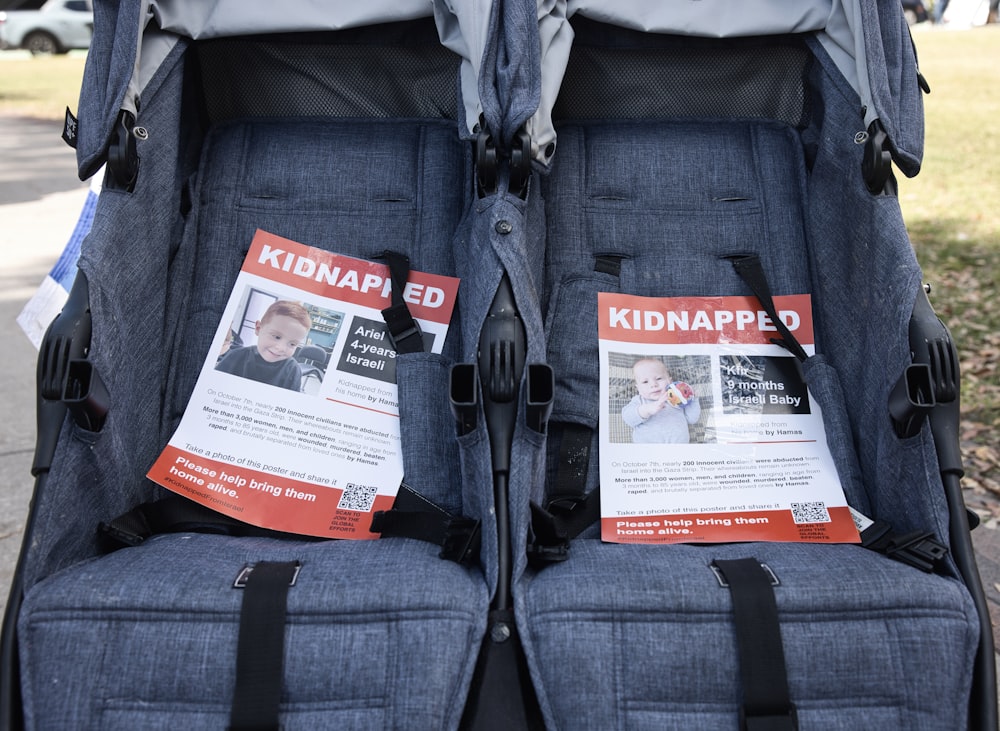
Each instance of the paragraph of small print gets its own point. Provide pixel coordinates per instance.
(814, 512)
(357, 497)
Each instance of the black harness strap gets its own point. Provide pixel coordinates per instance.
(414, 516)
(767, 705)
(404, 332)
(919, 549)
(176, 514)
(568, 509)
(574, 460)
(260, 652)
(749, 268)
(552, 530)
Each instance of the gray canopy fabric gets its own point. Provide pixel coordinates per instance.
(514, 52)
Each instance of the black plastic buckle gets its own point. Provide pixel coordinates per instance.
(122, 536)
(240, 582)
(550, 542)
(917, 549)
(780, 721)
(724, 583)
(403, 331)
(564, 505)
(462, 540)
(540, 556)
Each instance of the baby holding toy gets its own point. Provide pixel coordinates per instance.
(662, 409)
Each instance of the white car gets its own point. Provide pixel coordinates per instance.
(57, 27)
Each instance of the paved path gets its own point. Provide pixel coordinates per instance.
(40, 200)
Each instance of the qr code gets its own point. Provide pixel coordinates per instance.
(357, 497)
(815, 512)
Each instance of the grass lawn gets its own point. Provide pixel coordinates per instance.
(39, 87)
(952, 210)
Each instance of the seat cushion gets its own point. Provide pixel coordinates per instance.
(642, 637)
(146, 637)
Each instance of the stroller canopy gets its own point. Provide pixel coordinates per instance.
(868, 42)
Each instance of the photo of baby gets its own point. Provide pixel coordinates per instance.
(658, 399)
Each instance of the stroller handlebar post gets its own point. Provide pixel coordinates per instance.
(502, 350)
(931, 346)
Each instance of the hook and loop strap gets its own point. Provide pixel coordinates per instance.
(404, 332)
(260, 651)
(414, 516)
(751, 271)
(767, 705)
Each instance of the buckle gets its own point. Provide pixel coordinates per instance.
(244, 575)
(121, 535)
(778, 720)
(540, 556)
(462, 539)
(724, 583)
(404, 332)
(917, 549)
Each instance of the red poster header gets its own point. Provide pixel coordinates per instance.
(429, 296)
(700, 320)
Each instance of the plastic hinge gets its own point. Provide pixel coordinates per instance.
(123, 158)
(876, 165)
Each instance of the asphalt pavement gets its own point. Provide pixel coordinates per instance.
(40, 201)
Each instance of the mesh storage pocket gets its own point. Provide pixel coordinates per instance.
(824, 387)
(572, 347)
(391, 70)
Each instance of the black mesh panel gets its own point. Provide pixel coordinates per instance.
(342, 74)
(629, 75)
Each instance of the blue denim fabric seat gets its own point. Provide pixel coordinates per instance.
(379, 633)
(641, 637)
(632, 636)
(647, 189)
(146, 637)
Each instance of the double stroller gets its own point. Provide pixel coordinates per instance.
(547, 155)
